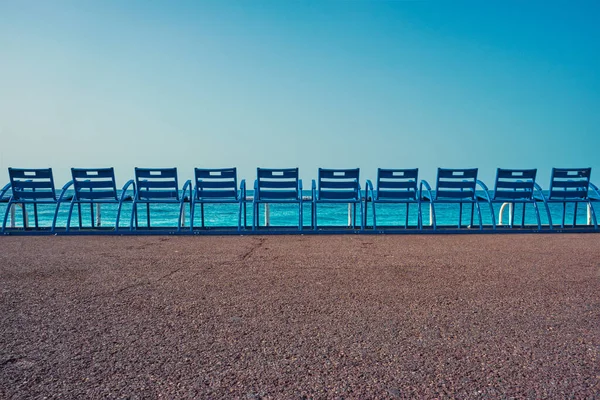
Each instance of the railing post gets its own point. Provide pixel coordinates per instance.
(13, 218)
(510, 212)
(349, 214)
(267, 215)
(430, 214)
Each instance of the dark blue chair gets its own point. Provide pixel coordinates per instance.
(277, 186)
(455, 186)
(218, 186)
(394, 186)
(571, 185)
(96, 186)
(157, 186)
(516, 186)
(31, 187)
(339, 186)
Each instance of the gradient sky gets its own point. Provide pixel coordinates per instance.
(311, 84)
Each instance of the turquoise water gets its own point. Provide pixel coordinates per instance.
(220, 215)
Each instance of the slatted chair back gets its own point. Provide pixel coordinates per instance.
(514, 184)
(338, 184)
(568, 184)
(32, 184)
(456, 184)
(156, 184)
(94, 184)
(277, 184)
(397, 184)
(216, 184)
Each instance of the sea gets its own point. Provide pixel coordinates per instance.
(286, 215)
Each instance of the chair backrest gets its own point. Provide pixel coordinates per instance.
(338, 184)
(457, 184)
(514, 184)
(32, 184)
(570, 183)
(216, 183)
(397, 184)
(94, 184)
(156, 184)
(277, 184)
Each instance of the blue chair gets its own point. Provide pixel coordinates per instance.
(157, 186)
(277, 186)
(394, 186)
(517, 186)
(571, 185)
(339, 186)
(96, 186)
(218, 186)
(31, 187)
(455, 186)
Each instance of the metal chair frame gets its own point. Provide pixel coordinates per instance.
(277, 186)
(218, 186)
(157, 186)
(571, 185)
(338, 186)
(394, 186)
(95, 186)
(456, 186)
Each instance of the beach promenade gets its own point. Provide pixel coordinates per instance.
(467, 316)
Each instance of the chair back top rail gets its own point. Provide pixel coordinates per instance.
(30, 184)
(219, 183)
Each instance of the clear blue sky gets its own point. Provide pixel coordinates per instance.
(300, 83)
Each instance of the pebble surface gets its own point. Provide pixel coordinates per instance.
(300, 317)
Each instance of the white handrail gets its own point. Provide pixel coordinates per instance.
(13, 216)
(510, 212)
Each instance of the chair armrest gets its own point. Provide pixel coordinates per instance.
(369, 188)
(4, 190)
(187, 184)
(125, 187)
(596, 190)
(243, 190)
(427, 188)
(485, 190)
(63, 192)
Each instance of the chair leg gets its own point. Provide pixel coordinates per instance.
(8, 206)
(192, 209)
(374, 215)
(471, 223)
(68, 227)
(537, 215)
(575, 215)
(479, 214)
(133, 215)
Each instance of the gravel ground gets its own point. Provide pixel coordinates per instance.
(470, 316)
